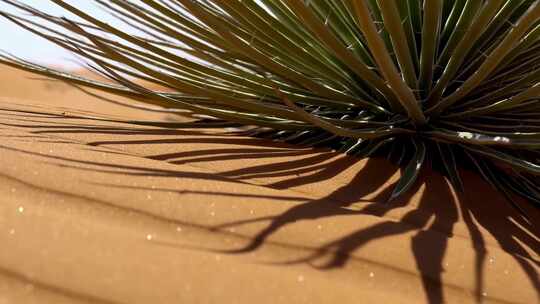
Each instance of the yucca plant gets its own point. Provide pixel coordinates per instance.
(453, 83)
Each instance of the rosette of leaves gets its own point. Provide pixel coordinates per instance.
(447, 83)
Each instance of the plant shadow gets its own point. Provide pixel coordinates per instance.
(432, 219)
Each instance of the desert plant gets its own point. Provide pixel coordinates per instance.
(450, 83)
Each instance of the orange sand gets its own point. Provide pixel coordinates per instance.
(98, 212)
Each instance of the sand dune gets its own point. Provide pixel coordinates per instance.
(101, 212)
(23, 85)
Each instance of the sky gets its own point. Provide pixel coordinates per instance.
(28, 46)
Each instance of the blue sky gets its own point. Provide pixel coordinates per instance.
(28, 46)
